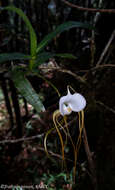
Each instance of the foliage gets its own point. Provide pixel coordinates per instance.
(36, 57)
(52, 180)
(21, 62)
(4, 57)
(25, 88)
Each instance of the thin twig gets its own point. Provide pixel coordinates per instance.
(22, 139)
(90, 160)
(30, 138)
(102, 67)
(53, 154)
(106, 48)
(106, 107)
(97, 68)
(77, 77)
(88, 9)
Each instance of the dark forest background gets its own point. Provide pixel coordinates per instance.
(23, 160)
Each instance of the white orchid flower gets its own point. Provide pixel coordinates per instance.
(71, 102)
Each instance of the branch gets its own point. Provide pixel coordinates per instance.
(21, 139)
(77, 77)
(32, 137)
(54, 154)
(88, 9)
(106, 48)
(90, 160)
(102, 67)
(106, 107)
(98, 67)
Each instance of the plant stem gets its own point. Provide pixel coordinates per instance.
(90, 160)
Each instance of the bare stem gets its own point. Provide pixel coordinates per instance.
(90, 160)
(106, 48)
(88, 9)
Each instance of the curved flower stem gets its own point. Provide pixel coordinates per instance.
(61, 127)
(78, 144)
(45, 140)
(57, 113)
(49, 131)
(66, 125)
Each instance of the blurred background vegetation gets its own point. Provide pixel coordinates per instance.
(87, 63)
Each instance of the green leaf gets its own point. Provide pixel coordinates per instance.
(44, 56)
(61, 28)
(13, 56)
(26, 90)
(65, 55)
(62, 175)
(33, 37)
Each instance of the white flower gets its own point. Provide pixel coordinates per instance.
(71, 102)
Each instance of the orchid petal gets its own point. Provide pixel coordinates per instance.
(69, 103)
(62, 101)
(77, 102)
